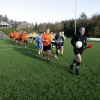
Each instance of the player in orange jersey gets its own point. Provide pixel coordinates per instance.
(46, 38)
(25, 38)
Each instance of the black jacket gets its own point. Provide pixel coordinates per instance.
(57, 38)
(78, 37)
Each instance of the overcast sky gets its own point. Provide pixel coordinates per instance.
(47, 10)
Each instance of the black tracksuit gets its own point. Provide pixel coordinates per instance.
(76, 38)
(58, 43)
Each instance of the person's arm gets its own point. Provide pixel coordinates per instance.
(44, 39)
(73, 41)
(62, 38)
(85, 42)
(55, 39)
(36, 38)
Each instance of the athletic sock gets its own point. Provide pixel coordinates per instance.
(72, 65)
(74, 61)
(39, 51)
(77, 72)
(62, 52)
(77, 65)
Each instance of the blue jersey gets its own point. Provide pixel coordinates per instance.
(39, 41)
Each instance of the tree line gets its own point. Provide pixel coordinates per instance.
(5, 19)
(92, 25)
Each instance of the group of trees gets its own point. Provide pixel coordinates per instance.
(92, 26)
(3, 18)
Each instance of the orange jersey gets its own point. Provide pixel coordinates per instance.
(16, 35)
(11, 35)
(46, 37)
(25, 37)
(21, 36)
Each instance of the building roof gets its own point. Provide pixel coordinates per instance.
(4, 23)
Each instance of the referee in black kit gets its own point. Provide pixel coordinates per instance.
(78, 51)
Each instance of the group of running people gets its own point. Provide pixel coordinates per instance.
(46, 41)
(32, 37)
(19, 37)
(58, 42)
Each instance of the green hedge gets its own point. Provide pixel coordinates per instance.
(8, 30)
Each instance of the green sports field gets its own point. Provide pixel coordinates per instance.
(25, 76)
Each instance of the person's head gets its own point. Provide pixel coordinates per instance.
(43, 32)
(51, 33)
(40, 33)
(60, 33)
(25, 32)
(82, 30)
(47, 31)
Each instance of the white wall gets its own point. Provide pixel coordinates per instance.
(93, 39)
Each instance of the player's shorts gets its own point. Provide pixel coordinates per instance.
(53, 43)
(40, 45)
(16, 39)
(25, 41)
(30, 37)
(33, 38)
(11, 37)
(45, 48)
(59, 44)
(58, 47)
(78, 51)
(62, 44)
(20, 39)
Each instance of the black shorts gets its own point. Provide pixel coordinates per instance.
(53, 43)
(58, 47)
(78, 51)
(62, 44)
(25, 41)
(20, 39)
(45, 48)
(33, 38)
(30, 37)
(59, 44)
(16, 39)
(11, 37)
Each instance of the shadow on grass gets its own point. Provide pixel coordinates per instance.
(8, 41)
(32, 51)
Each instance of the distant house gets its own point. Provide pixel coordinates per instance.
(18, 25)
(25, 25)
(4, 25)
